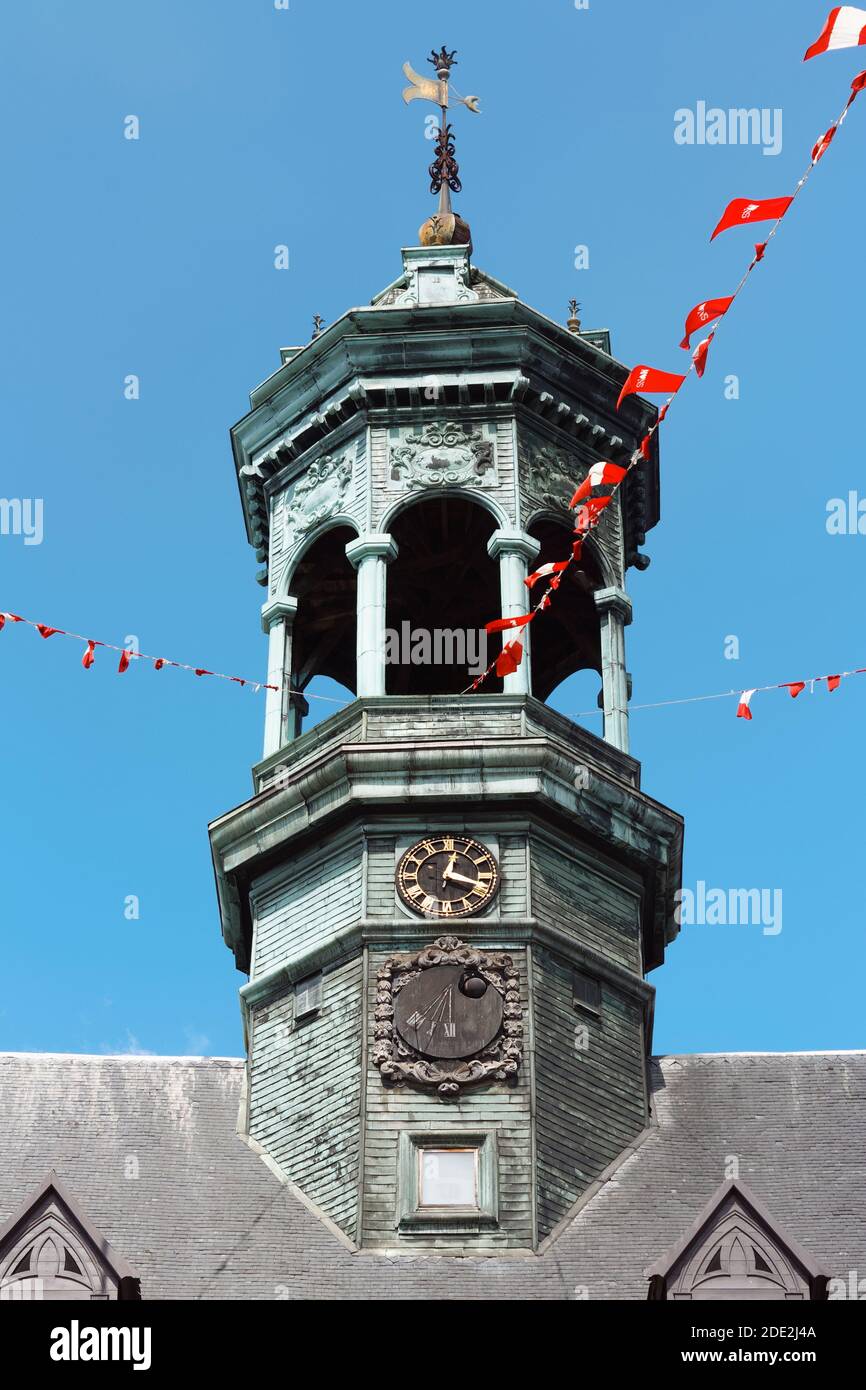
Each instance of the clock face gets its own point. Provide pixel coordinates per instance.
(448, 1011)
(447, 876)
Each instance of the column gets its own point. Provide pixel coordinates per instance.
(614, 610)
(514, 550)
(278, 616)
(370, 555)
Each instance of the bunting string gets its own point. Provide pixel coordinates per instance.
(845, 27)
(127, 654)
(744, 697)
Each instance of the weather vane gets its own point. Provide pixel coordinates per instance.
(444, 226)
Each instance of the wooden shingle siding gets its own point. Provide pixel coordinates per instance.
(303, 909)
(579, 897)
(305, 1090)
(589, 1103)
(513, 864)
(429, 723)
(390, 1109)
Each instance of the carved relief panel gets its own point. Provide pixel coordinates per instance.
(442, 454)
(324, 490)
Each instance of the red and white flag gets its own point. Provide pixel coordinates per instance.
(649, 379)
(743, 711)
(845, 28)
(744, 211)
(555, 567)
(504, 624)
(705, 313)
(589, 513)
(821, 146)
(833, 682)
(796, 688)
(88, 658)
(509, 658)
(699, 356)
(123, 664)
(599, 473)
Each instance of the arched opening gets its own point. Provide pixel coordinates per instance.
(323, 635)
(566, 637)
(578, 697)
(442, 588)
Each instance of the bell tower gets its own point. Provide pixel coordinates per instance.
(447, 898)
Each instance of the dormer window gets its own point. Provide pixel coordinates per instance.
(734, 1250)
(49, 1250)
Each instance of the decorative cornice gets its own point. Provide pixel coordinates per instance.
(502, 353)
(339, 777)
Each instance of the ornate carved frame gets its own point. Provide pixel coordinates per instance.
(467, 459)
(399, 1063)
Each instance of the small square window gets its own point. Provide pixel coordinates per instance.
(448, 1182)
(448, 1178)
(586, 992)
(308, 997)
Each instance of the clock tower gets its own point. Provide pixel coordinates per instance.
(447, 900)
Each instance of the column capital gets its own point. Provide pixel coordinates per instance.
(372, 543)
(277, 608)
(614, 600)
(504, 542)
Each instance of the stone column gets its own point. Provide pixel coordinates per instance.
(370, 555)
(278, 616)
(514, 550)
(614, 610)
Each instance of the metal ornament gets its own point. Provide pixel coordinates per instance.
(444, 171)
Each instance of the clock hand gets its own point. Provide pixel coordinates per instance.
(458, 878)
(448, 867)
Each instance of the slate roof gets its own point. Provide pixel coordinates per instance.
(207, 1217)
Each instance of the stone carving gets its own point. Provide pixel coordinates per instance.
(469, 285)
(399, 1062)
(443, 455)
(318, 495)
(429, 284)
(551, 477)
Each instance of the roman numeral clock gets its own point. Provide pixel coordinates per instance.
(448, 876)
(450, 1015)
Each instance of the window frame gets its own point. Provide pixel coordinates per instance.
(312, 985)
(451, 1219)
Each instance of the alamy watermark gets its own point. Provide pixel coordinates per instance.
(438, 646)
(846, 516)
(22, 516)
(737, 126)
(730, 907)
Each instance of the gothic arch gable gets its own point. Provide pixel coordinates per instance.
(49, 1250)
(735, 1251)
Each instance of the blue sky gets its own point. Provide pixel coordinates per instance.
(155, 257)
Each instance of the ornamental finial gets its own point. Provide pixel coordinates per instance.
(444, 227)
